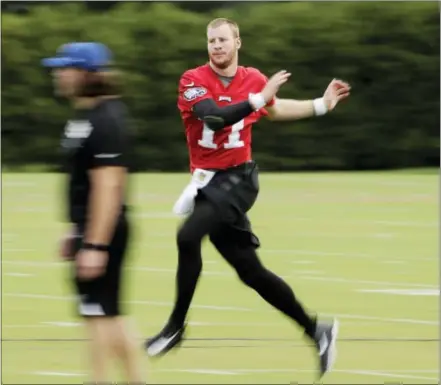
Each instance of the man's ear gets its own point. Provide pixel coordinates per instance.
(238, 43)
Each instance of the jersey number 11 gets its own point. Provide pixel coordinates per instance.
(234, 140)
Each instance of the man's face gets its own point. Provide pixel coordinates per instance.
(67, 80)
(222, 46)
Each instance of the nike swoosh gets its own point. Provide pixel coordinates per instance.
(190, 84)
(160, 344)
(323, 343)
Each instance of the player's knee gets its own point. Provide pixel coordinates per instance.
(251, 273)
(249, 277)
(187, 240)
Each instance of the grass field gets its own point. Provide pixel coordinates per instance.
(363, 247)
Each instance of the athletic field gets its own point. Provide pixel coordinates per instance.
(363, 247)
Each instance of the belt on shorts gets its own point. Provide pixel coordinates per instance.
(240, 167)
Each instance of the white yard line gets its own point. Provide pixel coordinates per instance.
(360, 281)
(21, 275)
(228, 308)
(346, 255)
(137, 302)
(388, 374)
(282, 324)
(317, 253)
(230, 273)
(62, 324)
(64, 263)
(58, 374)
(390, 223)
(271, 371)
(291, 252)
(206, 307)
(173, 271)
(403, 374)
(345, 235)
(211, 371)
(384, 319)
(384, 222)
(407, 292)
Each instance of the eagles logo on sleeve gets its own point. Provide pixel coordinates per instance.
(194, 93)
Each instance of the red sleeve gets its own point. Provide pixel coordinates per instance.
(192, 89)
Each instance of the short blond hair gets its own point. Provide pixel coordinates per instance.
(221, 21)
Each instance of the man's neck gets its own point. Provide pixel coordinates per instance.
(230, 71)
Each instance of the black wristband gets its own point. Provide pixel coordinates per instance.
(94, 246)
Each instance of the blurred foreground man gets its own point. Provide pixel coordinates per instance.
(96, 144)
(219, 102)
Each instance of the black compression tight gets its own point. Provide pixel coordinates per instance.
(205, 221)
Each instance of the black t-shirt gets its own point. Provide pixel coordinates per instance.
(94, 138)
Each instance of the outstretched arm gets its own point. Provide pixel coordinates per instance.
(216, 118)
(290, 109)
(195, 96)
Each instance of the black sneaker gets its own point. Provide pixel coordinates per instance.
(325, 338)
(166, 340)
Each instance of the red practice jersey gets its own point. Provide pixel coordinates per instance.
(231, 145)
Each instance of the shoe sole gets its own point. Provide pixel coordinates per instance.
(165, 350)
(332, 353)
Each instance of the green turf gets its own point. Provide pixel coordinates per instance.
(330, 235)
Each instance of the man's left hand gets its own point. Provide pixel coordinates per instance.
(337, 91)
(91, 263)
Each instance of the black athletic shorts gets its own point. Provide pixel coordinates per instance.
(233, 192)
(101, 296)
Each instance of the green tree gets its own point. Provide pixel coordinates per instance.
(388, 51)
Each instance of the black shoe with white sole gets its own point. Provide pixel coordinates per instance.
(170, 337)
(325, 338)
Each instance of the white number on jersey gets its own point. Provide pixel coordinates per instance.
(234, 140)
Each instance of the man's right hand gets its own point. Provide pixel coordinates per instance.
(273, 85)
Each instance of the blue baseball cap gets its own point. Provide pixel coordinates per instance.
(88, 56)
